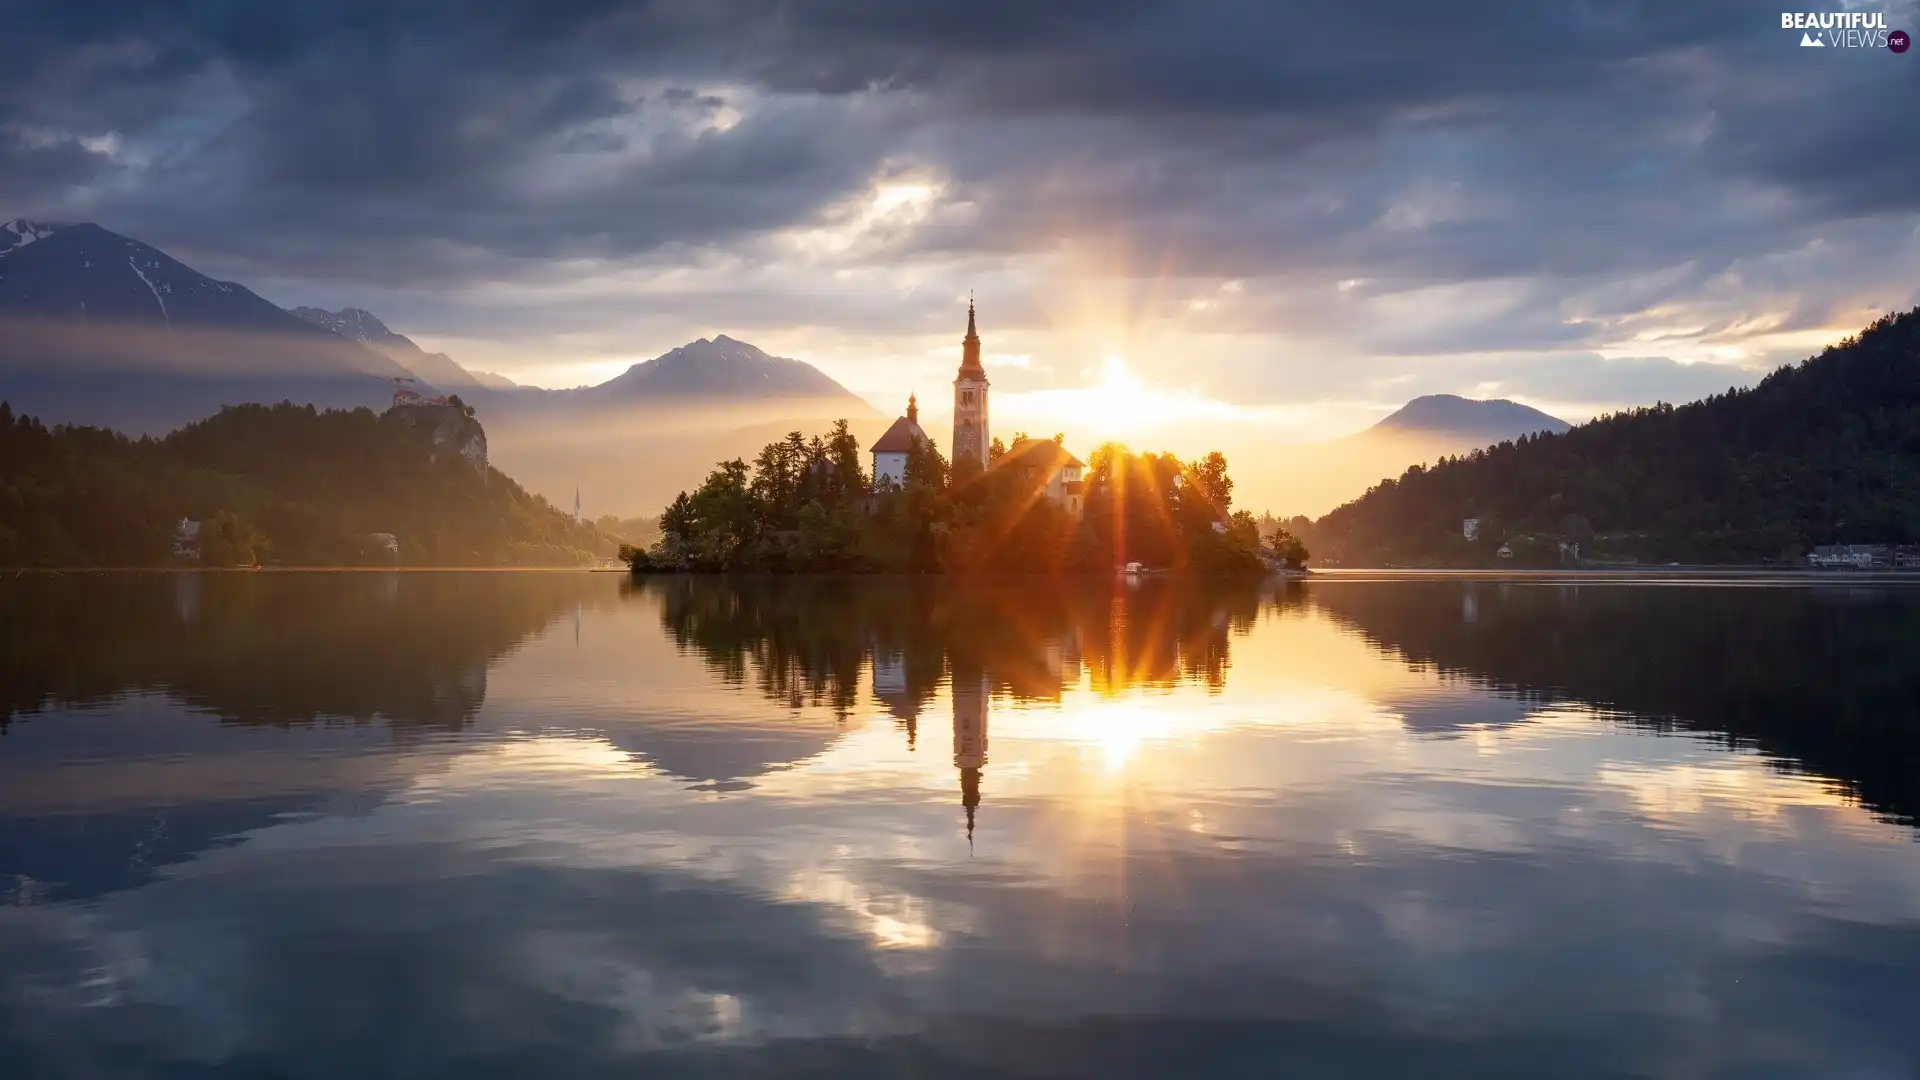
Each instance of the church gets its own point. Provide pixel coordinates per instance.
(1043, 464)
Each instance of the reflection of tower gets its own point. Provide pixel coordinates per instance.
(890, 689)
(970, 738)
(186, 596)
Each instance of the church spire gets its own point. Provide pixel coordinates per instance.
(913, 409)
(970, 347)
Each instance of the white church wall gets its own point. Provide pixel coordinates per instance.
(890, 467)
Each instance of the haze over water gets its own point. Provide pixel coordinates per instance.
(570, 825)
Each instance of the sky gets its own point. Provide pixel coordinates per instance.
(1282, 214)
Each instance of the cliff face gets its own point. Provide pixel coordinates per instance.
(452, 430)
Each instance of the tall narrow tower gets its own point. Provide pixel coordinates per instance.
(970, 399)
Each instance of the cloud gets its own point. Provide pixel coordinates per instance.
(1551, 178)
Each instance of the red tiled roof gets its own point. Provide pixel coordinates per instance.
(900, 438)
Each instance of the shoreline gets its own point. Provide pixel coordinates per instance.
(1346, 575)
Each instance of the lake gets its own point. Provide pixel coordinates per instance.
(561, 825)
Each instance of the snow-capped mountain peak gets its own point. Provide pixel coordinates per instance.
(20, 232)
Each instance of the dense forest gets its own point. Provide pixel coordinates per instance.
(1827, 451)
(808, 506)
(280, 484)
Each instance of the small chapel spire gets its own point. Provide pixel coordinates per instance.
(913, 409)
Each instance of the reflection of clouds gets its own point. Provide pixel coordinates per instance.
(587, 969)
(1675, 791)
(892, 922)
(1294, 853)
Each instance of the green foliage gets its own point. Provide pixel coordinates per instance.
(1289, 549)
(807, 506)
(281, 483)
(229, 540)
(1827, 451)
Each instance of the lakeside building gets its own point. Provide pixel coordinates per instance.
(186, 540)
(890, 450)
(1851, 556)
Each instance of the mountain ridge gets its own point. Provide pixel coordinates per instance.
(98, 328)
(362, 326)
(1823, 452)
(106, 330)
(1453, 415)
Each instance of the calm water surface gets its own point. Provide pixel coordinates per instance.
(368, 825)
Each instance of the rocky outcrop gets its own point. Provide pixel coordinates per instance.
(452, 429)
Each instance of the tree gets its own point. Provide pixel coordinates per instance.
(1289, 549)
(804, 505)
(229, 540)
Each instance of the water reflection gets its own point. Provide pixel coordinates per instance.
(1825, 679)
(706, 827)
(808, 643)
(108, 771)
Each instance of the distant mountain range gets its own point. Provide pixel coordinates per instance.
(84, 305)
(435, 369)
(97, 328)
(100, 329)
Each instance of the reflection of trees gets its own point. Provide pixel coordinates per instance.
(270, 649)
(806, 640)
(1828, 679)
(249, 648)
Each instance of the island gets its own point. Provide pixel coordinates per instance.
(1027, 506)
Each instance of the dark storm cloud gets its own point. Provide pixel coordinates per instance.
(402, 153)
(366, 121)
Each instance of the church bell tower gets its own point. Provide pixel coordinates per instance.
(970, 399)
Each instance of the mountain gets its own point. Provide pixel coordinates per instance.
(722, 368)
(673, 416)
(1827, 451)
(1316, 477)
(98, 328)
(1464, 420)
(435, 369)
